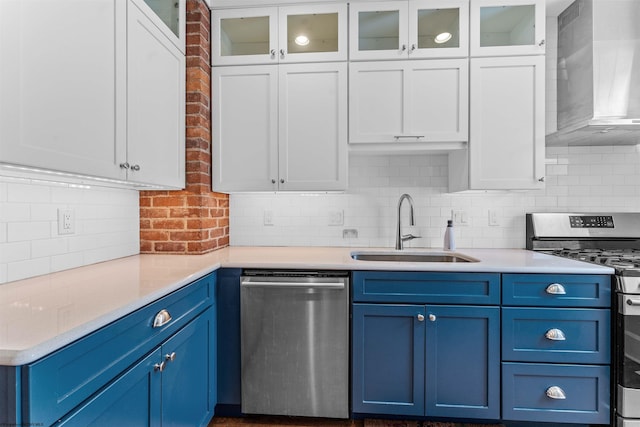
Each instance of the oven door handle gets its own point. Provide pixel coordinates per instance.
(633, 301)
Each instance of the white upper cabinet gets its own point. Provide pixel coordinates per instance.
(155, 104)
(408, 29)
(60, 97)
(406, 104)
(280, 127)
(108, 104)
(169, 16)
(506, 147)
(507, 27)
(305, 33)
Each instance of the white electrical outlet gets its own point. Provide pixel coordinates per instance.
(268, 217)
(493, 217)
(336, 217)
(66, 221)
(459, 217)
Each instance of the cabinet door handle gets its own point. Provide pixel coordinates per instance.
(159, 367)
(413, 47)
(555, 392)
(420, 318)
(556, 289)
(555, 335)
(404, 47)
(135, 167)
(397, 137)
(124, 165)
(432, 317)
(272, 52)
(282, 53)
(541, 43)
(281, 181)
(273, 181)
(170, 357)
(541, 179)
(162, 318)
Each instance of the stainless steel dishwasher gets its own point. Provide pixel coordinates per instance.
(295, 343)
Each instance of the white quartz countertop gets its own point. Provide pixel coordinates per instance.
(42, 314)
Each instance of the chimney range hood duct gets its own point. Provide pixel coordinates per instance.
(598, 73)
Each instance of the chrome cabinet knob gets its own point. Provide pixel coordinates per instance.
(420, 318)
(135, 167)
(555, 392)
(170, 357)
(162, 318)
(556, 289)
(541, 43)
(159, 367)
(404, 47)
(282, 53)
(281, 181)
(555, 335)
(273, 181)
(432, 317)
(124, 165)
(413, 47)
(272, 52)
(541, 179)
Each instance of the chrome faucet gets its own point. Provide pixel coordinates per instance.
(399, 237)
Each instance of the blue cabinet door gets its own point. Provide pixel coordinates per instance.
(186, 374)
(462, 362)
(388, 359)
(131, 400)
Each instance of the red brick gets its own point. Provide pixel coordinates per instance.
(151, 235)
(168, 224)
(172, 247)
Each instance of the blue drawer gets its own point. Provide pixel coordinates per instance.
(585, 389)
(580, 290)
(535, 335)
(422, 288)
(59, 382)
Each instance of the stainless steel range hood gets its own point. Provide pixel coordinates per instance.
(598, 73)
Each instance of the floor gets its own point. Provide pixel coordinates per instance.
(269, 421)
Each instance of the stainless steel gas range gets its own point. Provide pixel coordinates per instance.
(611, 239)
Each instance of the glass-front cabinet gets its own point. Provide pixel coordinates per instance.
(507, 27)
(170, 18)
(409, 29)
(306, 33)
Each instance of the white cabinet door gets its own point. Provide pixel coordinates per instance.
(506, 143)
(313, 126)
(305, 33)
(313, 33)
(244, 36)
(507, 27)
(438, 28)
(156, 104)
(245, 128)
(378, 30)
(62, 85)
(419, 102)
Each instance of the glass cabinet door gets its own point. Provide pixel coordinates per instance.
(507, 27)
(313, 33)
(244, 36)
(169, 16)
(438, 28)
(378, 30)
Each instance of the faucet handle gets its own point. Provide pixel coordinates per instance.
(409, 236)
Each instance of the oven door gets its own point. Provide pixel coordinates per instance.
(627, 360)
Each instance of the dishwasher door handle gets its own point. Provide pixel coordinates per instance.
(286, 284)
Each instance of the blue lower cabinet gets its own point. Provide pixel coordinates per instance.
(132, 399)
(436, 361)
(463, 362)
(388, 359)
(553, 393)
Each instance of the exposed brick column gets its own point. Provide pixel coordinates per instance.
(195, 220)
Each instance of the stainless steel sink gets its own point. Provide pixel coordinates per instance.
(412, 257)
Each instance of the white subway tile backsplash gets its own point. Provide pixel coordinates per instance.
(107, 226)
(578, 179)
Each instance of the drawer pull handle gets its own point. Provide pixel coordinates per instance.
(556, 289)
(555, 335)
(162, 318)
(555, 392)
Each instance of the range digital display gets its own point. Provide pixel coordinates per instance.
(595, 221)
